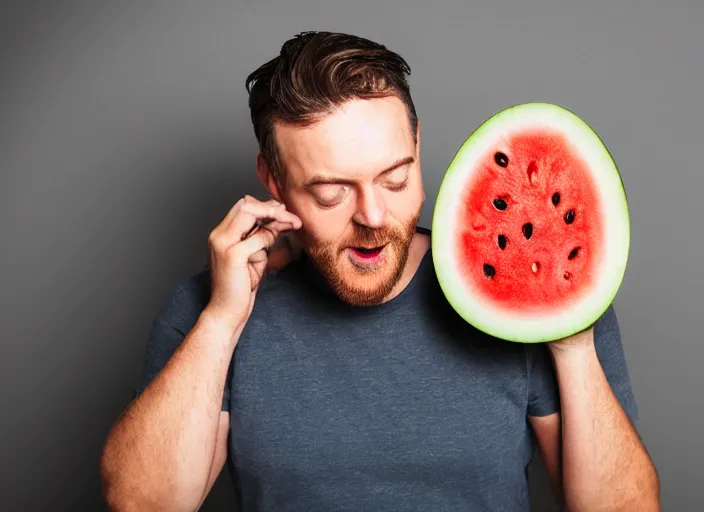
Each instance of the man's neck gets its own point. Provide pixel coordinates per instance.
(420, 244)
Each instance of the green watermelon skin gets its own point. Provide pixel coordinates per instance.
(531, 226)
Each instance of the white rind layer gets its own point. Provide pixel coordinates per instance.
(500, 322)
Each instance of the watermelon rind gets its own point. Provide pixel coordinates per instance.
(501, 322)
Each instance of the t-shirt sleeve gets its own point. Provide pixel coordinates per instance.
(543, 391)
(543, 394)
(172, 323)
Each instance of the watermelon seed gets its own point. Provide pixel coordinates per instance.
(501, 159)
(569, 217)
(532, 169)
(502, 242)
(573, 253)
(527, 230)
(500, 204)
(535, 266)
(489, 271)
(567, 275)
(556, 199)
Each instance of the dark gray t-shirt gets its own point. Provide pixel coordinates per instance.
(398, 407)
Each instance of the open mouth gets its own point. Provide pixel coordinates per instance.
(367, 252)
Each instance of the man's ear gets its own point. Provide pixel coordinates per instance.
(267, 178)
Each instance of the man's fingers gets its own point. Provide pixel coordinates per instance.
(262, 240)
(251, 213)
(250, 232)
(245, 202)
(260, 256)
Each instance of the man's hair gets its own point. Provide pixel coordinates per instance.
(316, 72)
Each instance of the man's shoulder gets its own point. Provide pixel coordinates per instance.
(189, 296)
(185, 301)
(280, 291)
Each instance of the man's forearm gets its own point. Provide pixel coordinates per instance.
(160, 450)
(604, 463)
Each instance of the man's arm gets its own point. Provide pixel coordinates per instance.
(220, 455)
(604, 463)
(163, 452)
(548, 433)
(581, 413)
(167, 448)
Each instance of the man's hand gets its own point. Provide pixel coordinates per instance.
(239, 252)
(580, 340)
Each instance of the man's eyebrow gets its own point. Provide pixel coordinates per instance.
(322, 180)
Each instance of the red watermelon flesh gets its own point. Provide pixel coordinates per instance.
(532, 231)
(531, 227)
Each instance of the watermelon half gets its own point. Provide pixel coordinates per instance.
(531, 227)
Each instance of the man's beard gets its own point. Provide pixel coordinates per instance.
(356, 285)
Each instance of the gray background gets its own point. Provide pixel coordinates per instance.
(124, 137)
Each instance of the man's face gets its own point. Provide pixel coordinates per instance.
(354, 179)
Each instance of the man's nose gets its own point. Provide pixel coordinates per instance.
(371, 211)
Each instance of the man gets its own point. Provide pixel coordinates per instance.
(345, 381)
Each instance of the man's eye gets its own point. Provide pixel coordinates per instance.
(330, 195)
(397, 186)
(397, 180)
